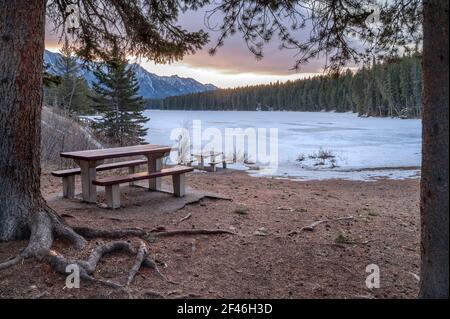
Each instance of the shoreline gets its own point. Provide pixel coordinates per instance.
(364, 116)
(414, 170)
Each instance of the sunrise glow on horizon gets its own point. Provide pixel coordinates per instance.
(220, 77)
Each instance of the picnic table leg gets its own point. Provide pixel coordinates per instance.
(113, 196)
(88, 174)
(69, 186)
(154, 165)
(178, 182)
(131, 170)
(202, 163)
(212, 163)
(224, 161)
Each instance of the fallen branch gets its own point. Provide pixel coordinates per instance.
(185, 218)
(312, 226)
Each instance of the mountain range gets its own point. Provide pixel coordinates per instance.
(151, 86)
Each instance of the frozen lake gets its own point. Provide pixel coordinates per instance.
(355, 148)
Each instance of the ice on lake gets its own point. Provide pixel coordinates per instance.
(361, 148)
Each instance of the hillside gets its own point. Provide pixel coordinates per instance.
(60, 133)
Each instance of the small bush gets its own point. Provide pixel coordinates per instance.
(323, 154)
(301, 157)
(241, 211)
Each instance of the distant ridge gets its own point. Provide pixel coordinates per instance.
(151, 86)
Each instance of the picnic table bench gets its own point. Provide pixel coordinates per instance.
(91, 161)
(68, 175)
(112, 183)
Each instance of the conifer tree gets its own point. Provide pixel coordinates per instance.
(391, 88)
(116, 97)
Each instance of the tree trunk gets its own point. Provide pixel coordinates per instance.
(435, 156)
(22, 32)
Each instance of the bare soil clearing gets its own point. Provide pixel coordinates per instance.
(271, 257)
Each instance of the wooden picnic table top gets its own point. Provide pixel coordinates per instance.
(105, 153)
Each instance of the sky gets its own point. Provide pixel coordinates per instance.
(232, 66)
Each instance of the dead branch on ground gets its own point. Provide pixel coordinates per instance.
(313, 225)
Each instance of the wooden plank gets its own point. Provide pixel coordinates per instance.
(66, 172)
(103, 167)
(132, 163)
(106, 153)
(112, 180)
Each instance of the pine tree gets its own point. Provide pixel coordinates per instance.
(116, 97)
(71, 95)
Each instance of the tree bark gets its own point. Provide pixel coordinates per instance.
(22, 32)
(435, 152)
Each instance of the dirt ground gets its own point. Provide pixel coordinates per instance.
(270, 257)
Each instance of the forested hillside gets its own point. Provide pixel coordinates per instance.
(392, 88)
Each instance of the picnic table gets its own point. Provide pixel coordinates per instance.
(200, 158)
(89, 160)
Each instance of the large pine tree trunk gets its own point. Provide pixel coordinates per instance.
(22, 31)
(435, 153)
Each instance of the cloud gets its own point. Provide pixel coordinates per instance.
(234, 57)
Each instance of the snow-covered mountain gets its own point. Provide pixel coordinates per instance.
(151, 86)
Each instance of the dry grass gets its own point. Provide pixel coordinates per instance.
(59, 134)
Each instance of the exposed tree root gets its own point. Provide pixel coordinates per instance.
(43, 226)
(46, 224)
(13, 261)
(192, 232)
(87, 232)
(149, 263)
(138, 232)
(140, 256)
